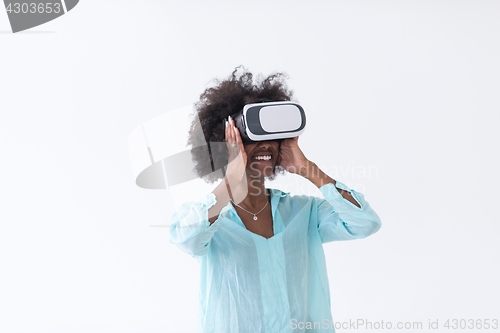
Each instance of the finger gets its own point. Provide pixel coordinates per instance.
(227, 128)
(231, 131)
(226, 132)
(235, 132)
(239, 141)
(238, 136)
(229, 136)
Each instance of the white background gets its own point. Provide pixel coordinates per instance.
(410, 88)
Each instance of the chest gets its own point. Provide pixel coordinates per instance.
(263, 226)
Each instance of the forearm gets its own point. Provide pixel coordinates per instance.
(314, 174)
(226, 190)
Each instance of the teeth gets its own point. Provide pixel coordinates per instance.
(265, 158)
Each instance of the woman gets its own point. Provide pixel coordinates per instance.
(263, 267)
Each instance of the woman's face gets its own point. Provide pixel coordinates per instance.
(261, 158)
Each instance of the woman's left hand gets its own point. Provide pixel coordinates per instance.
(291, 158)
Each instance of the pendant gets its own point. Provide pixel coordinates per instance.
(255, 217)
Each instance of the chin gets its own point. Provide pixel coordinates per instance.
(256, 169)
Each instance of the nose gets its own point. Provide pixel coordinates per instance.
(264, 144)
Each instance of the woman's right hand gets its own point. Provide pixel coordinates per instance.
(237, 155)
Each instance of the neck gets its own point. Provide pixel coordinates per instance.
(257, 194)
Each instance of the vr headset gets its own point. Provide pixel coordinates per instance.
(270, 121)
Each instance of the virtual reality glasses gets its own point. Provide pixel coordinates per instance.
(270, 121)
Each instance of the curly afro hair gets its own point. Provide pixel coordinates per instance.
(226, 98)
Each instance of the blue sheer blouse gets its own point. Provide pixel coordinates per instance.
(252, 284)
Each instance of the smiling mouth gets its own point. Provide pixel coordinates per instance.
(262, 158)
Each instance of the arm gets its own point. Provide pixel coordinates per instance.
(227, 189)
(343, 214)
(312, 172)
(190, 229)
(194, 224)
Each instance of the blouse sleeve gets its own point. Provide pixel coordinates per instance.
(339, 219)
(190, 230)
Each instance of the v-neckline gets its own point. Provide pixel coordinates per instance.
(273, 217)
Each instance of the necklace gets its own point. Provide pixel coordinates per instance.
(254, 215)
